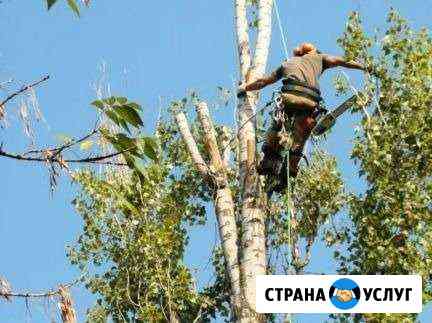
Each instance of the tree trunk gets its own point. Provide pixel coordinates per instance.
(251, 250)
(224, 205)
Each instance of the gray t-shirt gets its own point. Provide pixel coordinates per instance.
(307, 68)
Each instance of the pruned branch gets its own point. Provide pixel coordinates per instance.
(191, 145)
(66, 305)
(209, 135)
(224, 204)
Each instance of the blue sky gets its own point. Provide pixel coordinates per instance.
(154, 51)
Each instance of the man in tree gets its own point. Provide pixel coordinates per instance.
(300, 98)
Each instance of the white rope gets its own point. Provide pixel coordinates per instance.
(356, 93)
(281, 30)
(288, 190)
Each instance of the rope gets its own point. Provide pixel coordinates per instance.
(287, 153)
(248, 119)
(281, 29)
(280, 118)
(289, 209)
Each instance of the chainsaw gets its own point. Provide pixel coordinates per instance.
(328, 120)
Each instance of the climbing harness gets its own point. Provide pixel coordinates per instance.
(292, 85)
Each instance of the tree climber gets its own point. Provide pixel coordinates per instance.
(300, 97)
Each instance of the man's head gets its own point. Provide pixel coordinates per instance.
(304, 48)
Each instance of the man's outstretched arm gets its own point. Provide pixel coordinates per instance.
(336, 61)
(261, 82)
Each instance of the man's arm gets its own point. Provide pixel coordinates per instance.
(261, 82)
(335, 61)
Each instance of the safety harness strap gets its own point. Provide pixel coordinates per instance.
(301, 88)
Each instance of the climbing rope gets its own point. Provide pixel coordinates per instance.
(281, 29)
(280, 118)
(280, 115)
(261, 109)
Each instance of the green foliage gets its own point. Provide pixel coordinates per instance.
(134, 240)
(50, 3)
(392, 219)
(71, 3)
(134, 236)
(125, 114)
(318, 195)
(121, 111)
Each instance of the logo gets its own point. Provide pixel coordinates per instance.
(344, 293)
(339, 294)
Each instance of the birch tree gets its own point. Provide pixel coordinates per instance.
(245, 253)
(137, 221)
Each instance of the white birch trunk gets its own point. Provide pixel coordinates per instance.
(243, 47)
(253, 249)
(191, 145)
(263, 39)
(224, 205)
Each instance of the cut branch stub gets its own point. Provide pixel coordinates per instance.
(66, 306)
(209, 136)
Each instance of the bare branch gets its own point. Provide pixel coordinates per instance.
(57, 159)
(38, 295)
(20, 91)
(53, 155)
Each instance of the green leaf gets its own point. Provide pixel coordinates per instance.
(138, 166)
(150, 147)
(73, 5)
(122, 143)
(130, 115)
(125, 142)
(121, 100)
(110, 101)
(130, 160)
(98, 104)
(134, 106)
(50, 3)
(112, 115)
